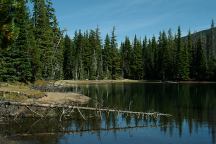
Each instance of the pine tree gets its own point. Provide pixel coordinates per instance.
(185, 63)
(44, 38)
(5, 21)
(137, 68)
(154, 59)
(99, 54)
(191, 55)
(172, 57)
(201, 65)
(144, 52)
(126, 51)
(57, 48)
(78, 54)
(22, 47)
(68, 58)
(8, 30)
(212, 24)
(116, 70)
(17, 59)
(107, 58)
(182, 62)
(87, 55)
(163, 56)
(93, 56)
(150, 59)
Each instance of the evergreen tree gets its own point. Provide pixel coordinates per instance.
(144, 52)
(201, 65)
(150, 59)
(87, 55)
(191, 55)
(99, 54)
(78, 53)
(93, 56)
(182, 62)
(57, 48)
(8, 29)
(22, 45)
(212, 24)
(154, 58)
(126, 51)
(172, 57)
(8, 34)
(116, 70)
(68, 58)
(16, 58)
(163, 60)
(137, 67)
(44, 38)
(107, 58)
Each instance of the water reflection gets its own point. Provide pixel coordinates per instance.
(193, 107)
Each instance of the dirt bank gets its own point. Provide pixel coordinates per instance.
(24, 93)
(63, 98)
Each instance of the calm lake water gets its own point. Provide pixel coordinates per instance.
(193, 107)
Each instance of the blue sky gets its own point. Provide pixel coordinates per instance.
(130, 17)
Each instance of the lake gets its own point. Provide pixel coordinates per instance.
(192, 106)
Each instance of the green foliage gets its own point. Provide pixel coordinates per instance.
(182, 61)
(43, 36)
(34, 48)
(200, 64)
(115, 70)
(136, 60)
(126, 54)
(68, 58)
(107, 58)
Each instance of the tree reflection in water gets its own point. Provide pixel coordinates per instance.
(193, 107)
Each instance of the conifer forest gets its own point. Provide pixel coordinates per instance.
(34, 47)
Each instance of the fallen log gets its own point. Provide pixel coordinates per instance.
(64, 106)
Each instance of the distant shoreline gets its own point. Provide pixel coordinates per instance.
(71, 82)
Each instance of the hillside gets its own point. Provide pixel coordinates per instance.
(204, 35)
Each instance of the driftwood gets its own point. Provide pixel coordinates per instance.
(68, 109)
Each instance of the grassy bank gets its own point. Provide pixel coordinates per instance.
(19, 92)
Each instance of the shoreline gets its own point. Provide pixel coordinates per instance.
(75, 82)
(23, 93)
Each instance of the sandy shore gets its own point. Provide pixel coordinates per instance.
(63, 98)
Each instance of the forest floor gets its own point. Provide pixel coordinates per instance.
(24, 93)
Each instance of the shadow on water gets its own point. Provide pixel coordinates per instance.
(193, 107)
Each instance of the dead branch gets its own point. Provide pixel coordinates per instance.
(72, 107)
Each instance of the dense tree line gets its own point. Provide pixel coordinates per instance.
(168, 57)
(32, 47)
